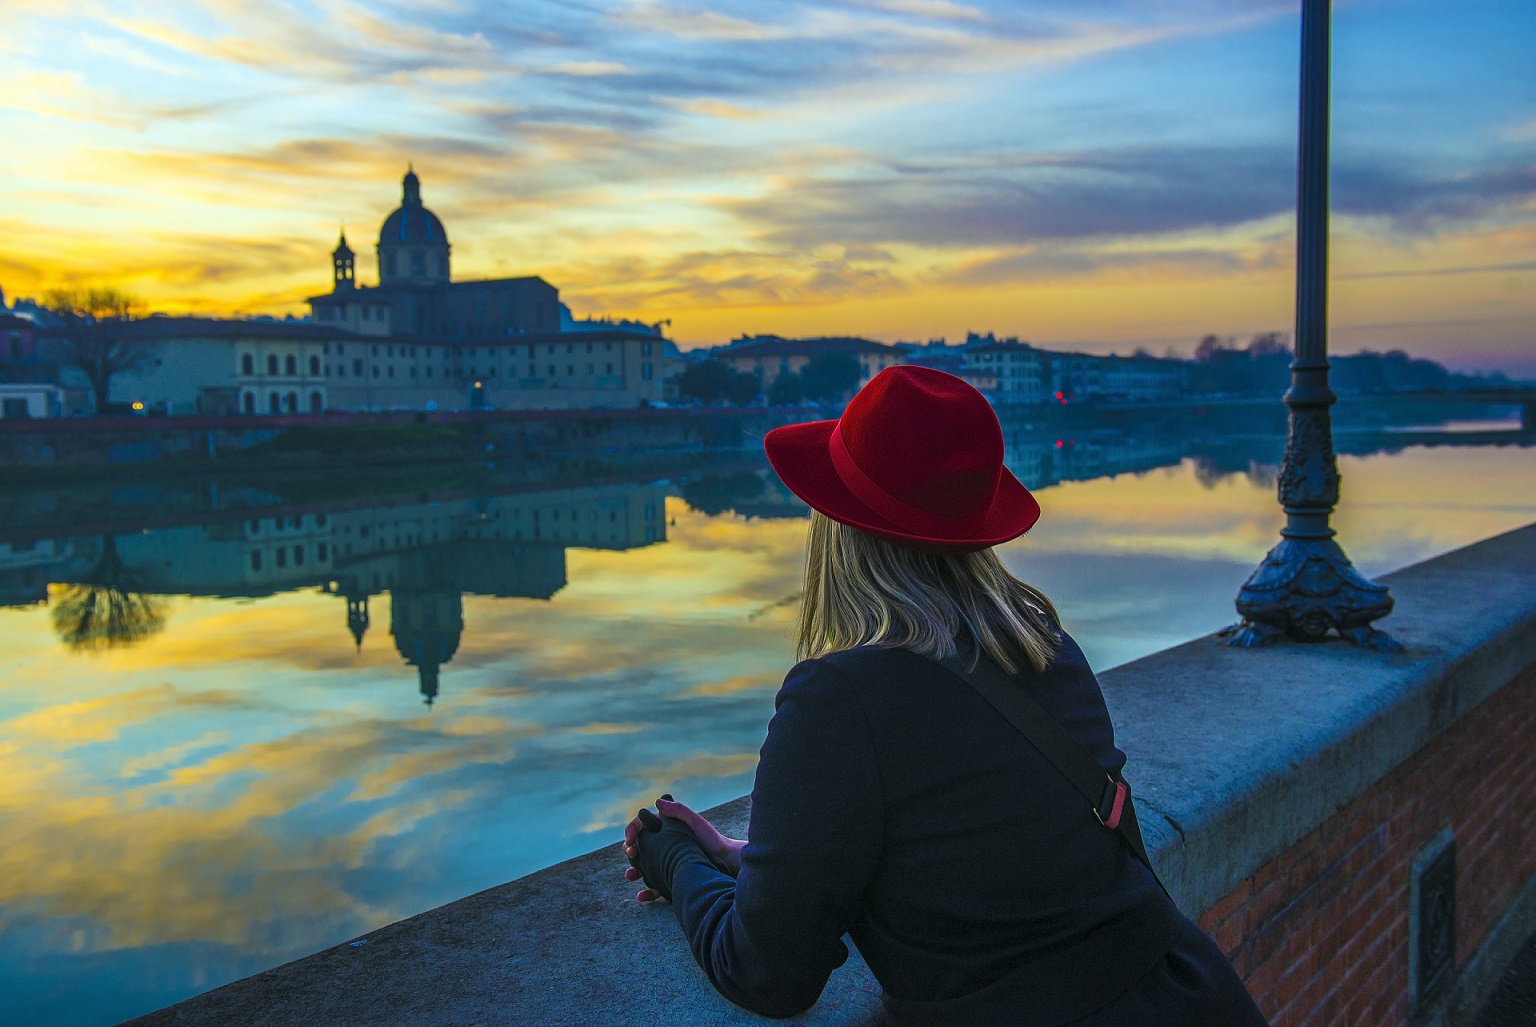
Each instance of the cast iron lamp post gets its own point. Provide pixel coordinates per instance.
(1306, 586)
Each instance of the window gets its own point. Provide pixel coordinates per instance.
(610, 368)
(551, 369)
(366, 311)
(320, 552)
(389, 351)
(589, 347)
(533, 370)
(570, 369)
(418, 262)
(248, 403)
(256, 561)
(293, 402)
(274, 404)
(316, 404)
(314, 365)
(645, 371)
(271, 364)
(391, 370)
(413, 372)
(291, 365)
(375, 349)
(340, 349)
(282, 556)
(645, 349)
(247, 364)
(298, 556)
(375, 372)
(357, 367)
(590, 369)
(570, 347)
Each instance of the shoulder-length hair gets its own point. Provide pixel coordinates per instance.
(862, 590)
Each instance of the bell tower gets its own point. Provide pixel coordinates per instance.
(344, 263)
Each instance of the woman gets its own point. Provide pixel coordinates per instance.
(892, 801)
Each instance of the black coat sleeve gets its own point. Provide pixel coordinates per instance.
(769, 939)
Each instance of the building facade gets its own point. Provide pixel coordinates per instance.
(769, 356)
(420, 341)
(1009, 372)
(200, 365)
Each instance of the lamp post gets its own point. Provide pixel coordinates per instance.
(1306, 586)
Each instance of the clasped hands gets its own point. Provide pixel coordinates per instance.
(644, 844)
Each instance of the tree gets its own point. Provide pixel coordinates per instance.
(94, 327)
(742, 389)
(106, 610)
(787, 389)
(706, 380)
(830, 376)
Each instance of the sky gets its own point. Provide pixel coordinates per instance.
(1101, 174)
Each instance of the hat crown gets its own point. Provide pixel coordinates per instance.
(926, 438)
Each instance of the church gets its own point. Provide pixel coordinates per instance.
(419, 340)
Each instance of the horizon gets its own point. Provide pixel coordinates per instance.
(894, 169)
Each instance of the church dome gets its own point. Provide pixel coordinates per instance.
(411, 222)
(413, 248)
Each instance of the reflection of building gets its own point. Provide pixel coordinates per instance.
(27, 567)
(426, 626)
(419, 340)
(425, 554)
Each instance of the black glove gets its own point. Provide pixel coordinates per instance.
(660, 847)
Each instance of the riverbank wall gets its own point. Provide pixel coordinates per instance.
(1354, 828)
(53, 449)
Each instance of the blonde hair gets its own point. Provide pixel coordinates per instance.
(862, 590)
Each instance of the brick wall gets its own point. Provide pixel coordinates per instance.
(1320, 934)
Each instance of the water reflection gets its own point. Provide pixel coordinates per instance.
(263, 775)
(107, 608)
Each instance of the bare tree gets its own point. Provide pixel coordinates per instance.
(106, 610)
(94, 326)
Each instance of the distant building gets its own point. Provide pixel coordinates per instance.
(201, 365)
(416, 297)
(421, 341)
(1009, 372)
(769, 356)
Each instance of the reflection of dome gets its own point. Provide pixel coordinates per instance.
(413, 247)
(426, 627)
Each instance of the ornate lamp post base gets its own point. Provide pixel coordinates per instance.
(1306, 587)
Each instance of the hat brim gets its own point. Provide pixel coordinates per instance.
(799, 454)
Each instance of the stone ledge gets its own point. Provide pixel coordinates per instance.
(1235, 756)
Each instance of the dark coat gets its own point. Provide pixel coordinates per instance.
(894, 804)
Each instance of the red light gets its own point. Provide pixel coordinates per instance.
(1058, 443)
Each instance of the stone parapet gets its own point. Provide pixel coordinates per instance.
(1287, 795)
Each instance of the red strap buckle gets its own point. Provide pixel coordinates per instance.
(1116, 806)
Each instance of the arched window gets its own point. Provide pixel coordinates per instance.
(248, 364)
(273, 403)
(271, 363)
(315, 403)
(292, 402)
(314, 365)
(418, 263)
(291, 365)
(249, 403)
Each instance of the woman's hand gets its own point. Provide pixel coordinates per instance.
(724, 852)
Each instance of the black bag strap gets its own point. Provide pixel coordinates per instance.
(1110, 799)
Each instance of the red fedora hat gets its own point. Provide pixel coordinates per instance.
(916, 458)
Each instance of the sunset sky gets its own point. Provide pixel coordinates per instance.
(1095, 173)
